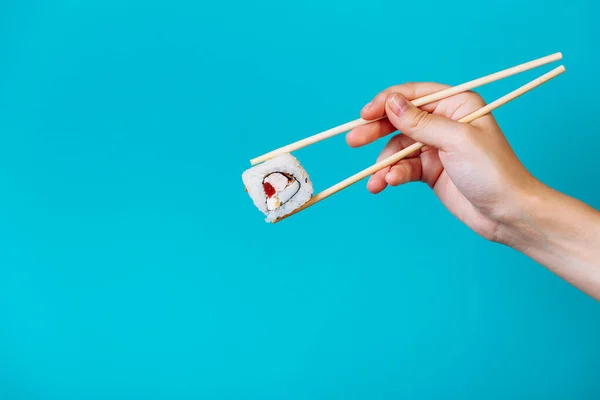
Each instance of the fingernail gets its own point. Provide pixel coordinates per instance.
(366, 107)
(398, 104)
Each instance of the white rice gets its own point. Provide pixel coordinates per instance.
(286, 163)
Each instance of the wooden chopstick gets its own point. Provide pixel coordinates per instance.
(417, 102)
(416, 146)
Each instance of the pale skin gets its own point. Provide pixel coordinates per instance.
(474, 172)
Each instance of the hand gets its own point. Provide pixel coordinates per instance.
(478, 177)
(470, 167)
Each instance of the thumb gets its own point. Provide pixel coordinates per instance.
(430, 129)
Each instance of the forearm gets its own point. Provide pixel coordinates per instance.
(561, 233)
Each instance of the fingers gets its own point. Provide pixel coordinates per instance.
(431, 164)
(434, 130)
(412, 90)
(369, 133)
(378, 181)
(376, 108)
(419, 167)
(407, 170)
(463, 105)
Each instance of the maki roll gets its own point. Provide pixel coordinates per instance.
(278, 186)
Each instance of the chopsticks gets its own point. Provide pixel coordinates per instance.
(416, 146)
(417, 102)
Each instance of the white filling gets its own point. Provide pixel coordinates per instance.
(284, 190)
(289, 191)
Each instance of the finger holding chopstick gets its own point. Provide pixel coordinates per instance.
(448, 107)
(447, 143)
(417, 165)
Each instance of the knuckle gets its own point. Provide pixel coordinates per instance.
(476, 98)
(420, 121)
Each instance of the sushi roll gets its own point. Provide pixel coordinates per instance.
(278, 186)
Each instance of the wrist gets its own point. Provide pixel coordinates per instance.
(525, 228)
(549, 224)
(559, 232)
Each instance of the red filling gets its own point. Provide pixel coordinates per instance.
(269, 189)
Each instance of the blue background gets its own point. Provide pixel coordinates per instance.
(133, 264)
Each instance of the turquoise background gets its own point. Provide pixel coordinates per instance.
(133, 265)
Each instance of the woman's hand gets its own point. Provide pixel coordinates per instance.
(470, 167)
(478, 177)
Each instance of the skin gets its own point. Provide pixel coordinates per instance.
(475, 173)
